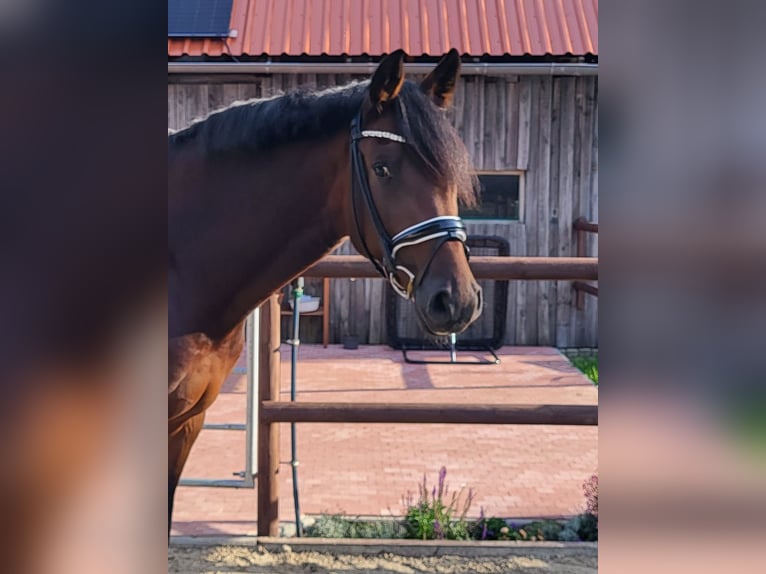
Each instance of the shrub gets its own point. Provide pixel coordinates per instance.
(588, 530)
(337, 526)
(492, 528)
(432, 518)
(329, 526)
(498, 529)
(590, 487)
(570, 531)
(584, 526)
(543, 530)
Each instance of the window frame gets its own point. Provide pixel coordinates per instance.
(522, 193)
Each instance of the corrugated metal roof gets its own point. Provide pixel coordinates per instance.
(420, 27)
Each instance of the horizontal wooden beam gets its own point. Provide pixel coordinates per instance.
(499, 268)
(307, 412)
(582, 224)
(587, 287)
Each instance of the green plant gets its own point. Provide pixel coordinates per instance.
(338, 526)
(432, 518)
(588, 365)
(584, 526)
(588, 530)
(492, 528)
(329, 526)
(570, 531)
(543, 530)
(378, 529)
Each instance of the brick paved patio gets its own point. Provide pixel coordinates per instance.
(365, 469)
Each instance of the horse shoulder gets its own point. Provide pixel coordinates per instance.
(184, 354)
(197, 368)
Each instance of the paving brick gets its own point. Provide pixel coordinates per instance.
(365, 469)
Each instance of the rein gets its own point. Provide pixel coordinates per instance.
(439, 229)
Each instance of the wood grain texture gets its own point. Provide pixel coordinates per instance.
(544, 191)
(563, 241)
(437, 413)
(268, 434)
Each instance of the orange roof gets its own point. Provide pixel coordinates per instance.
(420, 27)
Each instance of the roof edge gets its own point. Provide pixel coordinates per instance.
(467, 68)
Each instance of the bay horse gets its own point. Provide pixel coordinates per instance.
(261, 190)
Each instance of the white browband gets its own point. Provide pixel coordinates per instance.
(383, 135)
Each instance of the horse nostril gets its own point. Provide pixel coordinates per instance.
(479, 300)
(441, 306)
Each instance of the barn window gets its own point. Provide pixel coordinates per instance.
(500, 197)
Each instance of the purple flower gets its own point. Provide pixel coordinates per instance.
(483, 520)
(442, 476)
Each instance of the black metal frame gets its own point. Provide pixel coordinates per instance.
(487, 344)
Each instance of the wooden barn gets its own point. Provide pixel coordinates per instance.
(526, 107)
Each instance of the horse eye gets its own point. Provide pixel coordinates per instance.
(381, 170)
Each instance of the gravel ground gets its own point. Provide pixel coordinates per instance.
(236, 559)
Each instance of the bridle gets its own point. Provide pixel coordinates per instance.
(439, 229)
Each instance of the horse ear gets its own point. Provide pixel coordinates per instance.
(440, 84)
(387, 79)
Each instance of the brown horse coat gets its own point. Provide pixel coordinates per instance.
(260, 191)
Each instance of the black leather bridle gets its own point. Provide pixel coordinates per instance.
(439, 229)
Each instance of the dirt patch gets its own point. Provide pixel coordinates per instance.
(237, 559)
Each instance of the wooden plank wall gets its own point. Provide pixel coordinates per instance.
(546, 127)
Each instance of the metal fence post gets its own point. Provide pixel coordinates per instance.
(251, 437)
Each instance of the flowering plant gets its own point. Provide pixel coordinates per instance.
(438, 516)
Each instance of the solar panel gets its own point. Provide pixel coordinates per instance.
(199, 18)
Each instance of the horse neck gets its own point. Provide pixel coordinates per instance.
(265, 220)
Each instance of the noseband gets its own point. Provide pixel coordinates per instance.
(439, 229)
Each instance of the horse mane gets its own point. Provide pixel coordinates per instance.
(256, 125)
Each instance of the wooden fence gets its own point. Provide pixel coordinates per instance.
(272, 411)
(582, 226)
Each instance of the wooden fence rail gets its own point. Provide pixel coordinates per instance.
(498, 268)
(272, 412)
(582, 224)
(585, 288)
(282, 412)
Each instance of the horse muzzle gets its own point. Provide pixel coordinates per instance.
(444, 309)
